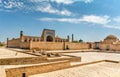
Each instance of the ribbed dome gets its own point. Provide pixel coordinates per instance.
(111, 37)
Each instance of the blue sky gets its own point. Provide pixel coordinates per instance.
(90, 20)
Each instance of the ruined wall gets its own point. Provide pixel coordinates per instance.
(93, 45)
(37, 69)
(14, 43)
(24, 60)
(76, 46)
(68, 57)
(47, 45)
(25, 45)
(114, 47)
(59, 45)
(105, 46)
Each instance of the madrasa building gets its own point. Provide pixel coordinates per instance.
(47, 41)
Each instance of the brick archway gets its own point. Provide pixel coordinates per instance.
(49, 39)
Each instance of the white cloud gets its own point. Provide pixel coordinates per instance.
(88, 19)
(70, 1)
(0, 1)
(69, 20)
(112, 26)
(37, 0)
(49, 9)
(104, 21)
(39, 5)
(96, 19)
(65, 12)
(12, 4)
(87, 1)
(63, 1)
(117, 19)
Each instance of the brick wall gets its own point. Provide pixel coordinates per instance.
(116, 47)
(15, 43)
(59, 45)
(47, 45)
(31, 70)
(70, 58)
(77, 46)
(110, 47)
(25, 45)
(103, 46)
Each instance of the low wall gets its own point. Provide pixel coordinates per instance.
(116, 47)
(112, 47)
(14, 43)
(46, 45)
(31, 70)
(77, 46)
(25, 60)
(25, 45)
(103, 46)
(71, 59)
(58, 45)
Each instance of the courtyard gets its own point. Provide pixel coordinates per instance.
(100, 69)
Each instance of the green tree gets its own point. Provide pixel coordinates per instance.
(1, 44)
(80, 40)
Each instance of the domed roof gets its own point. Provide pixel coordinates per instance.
(111, 37)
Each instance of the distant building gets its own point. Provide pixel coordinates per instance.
(111, 42)
(48, 41)
(47, 36)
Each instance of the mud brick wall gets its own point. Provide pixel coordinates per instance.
(25, 60)
(112, 47)
(71, 59)
(14, 43)
(46, 45)
(103, 46)
(25, 45)
(31, 70)
(77, 46)
(58, 45)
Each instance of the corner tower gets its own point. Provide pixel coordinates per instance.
(21, 36)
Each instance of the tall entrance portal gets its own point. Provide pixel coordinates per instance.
(48, 35)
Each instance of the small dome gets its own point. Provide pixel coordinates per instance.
(111, 37)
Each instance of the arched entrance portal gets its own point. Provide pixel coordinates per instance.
(97, 46)
(107, 47)
(49, 38)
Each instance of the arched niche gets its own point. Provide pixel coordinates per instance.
(49, 38)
